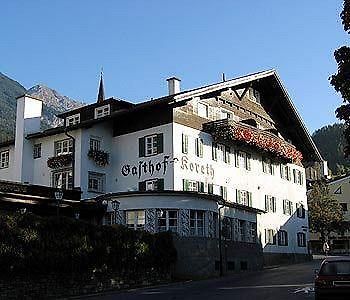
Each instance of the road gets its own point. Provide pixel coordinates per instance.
(285, 282)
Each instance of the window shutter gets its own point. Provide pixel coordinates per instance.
(214, 151)
(197, 147)
(238, 196)
(279, 233)
(227, 154)
(201, 189)
(274, 204)
(236, 159)
(141, 147)
(210, 188)
(263, 165)
(272, 168)
(288, 173)
(281, 171)
(249, 199)
(185, 184)
(200, 142)
(247, 158)
(160, 184)
(142, 186)
(266, 203)
(294, 176)
(274, 237)
(286, 238)
(266, 237)
(184, 143)
(159, 143)
(284, 206)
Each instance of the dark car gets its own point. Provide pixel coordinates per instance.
(333, 279)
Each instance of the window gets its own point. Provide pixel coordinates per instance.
(210, 188)
(301, 237)
(4, 159)
(282, 238)
(199, 147)
(102, 111)
(221, 152)
(252, 232)
(73, 120)
(203, 110)
(215, 151)
(197, 222)
(96, 182)
(193, 186)
(244, 197)
(253, 95)
(63, 147)
(300, 211)
(135, 219)
(268, 166)
(270, 203)
(167, 220)
(287, 207)
(225, 114)
(151, 145)
(109, 218)
(184, 143)
(298, 177)
(156, 184)
(285, 172)
(62, 179)
(241, 230)
(223, 192)
(270, 237)
(242, 160)
(344, 206)
(37, 151)
(95, 143)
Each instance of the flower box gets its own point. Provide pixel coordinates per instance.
(100, 157)
(60, 161)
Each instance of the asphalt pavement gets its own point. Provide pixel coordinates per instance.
(284, 282)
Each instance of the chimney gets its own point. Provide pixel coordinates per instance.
(27, 121)
(173, 85)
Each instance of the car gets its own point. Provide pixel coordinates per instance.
(332, 281)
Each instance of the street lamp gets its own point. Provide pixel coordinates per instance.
(58, 197)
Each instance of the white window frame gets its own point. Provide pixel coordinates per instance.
(63, 147)
(244, 197)
(226, 114)
(99, 179)
(102, 111)
(65, 181)
(135, 219)
(95, 143)
(37, 151)
(282, 238)
(270, 236)
(4, 159)
(268, 166)
(203, 110)
(164, 215)
(152, 184)
(197, 218)
(73, 120)
(301, 213)
(199, 147)
(241, 224)
(184, 143)
(151, 145)
(243, 160)
(287, 207)
(301, 238)
(270, 203)
(109, 218)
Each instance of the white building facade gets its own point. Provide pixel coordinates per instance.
(236, 149)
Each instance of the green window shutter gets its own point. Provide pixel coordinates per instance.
(184, 143)
(266, 238)
(274, 203)
(159, 143)
(248, 160)
(227, 154)
(210, 188)
(272, 169)
(214, 151)
(197, 147)
(266, 203)
(238, 196)
(202, 187)
(236, 159)
(200, 148)
(142, 186)
(160, 184)
(185, 184)
(263, 165)
(250, 199)
(142, 147)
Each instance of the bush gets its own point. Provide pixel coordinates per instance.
(29, 243)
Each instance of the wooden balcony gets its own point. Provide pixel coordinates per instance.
(228, 132)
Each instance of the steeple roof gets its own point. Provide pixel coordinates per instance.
(101, 92)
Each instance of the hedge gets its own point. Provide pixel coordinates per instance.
(33, 244)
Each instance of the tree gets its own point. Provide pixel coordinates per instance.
(341, 80)
(325, 212)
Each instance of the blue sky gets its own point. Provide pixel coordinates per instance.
(139, 43)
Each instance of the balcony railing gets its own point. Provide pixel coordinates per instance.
(60, 161)
(228, 131)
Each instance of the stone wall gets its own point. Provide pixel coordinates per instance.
(273, 259)
(199, 257)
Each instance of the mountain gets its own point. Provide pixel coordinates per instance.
(330, 141)
(53, 103)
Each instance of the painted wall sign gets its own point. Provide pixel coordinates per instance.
(206, 169)
(146, 167)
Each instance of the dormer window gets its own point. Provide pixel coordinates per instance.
(102, 111)
(73, 120)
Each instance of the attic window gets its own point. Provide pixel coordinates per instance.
(102, 111)
(253, 95)
(250, 122)
(273, 131)
(73, 120)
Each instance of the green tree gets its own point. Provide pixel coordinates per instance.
(325, 212)
(341, 79)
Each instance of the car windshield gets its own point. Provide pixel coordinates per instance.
(335, 268)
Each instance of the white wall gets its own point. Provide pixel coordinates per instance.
(7, 173)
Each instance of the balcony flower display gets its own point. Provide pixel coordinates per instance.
(228, 131)
(60, 161)
(100, 157)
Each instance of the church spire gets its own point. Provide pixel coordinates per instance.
(101, 92)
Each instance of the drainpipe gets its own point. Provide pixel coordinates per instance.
(73, 156)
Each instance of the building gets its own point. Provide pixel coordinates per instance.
(237, 149)
(339, 243)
